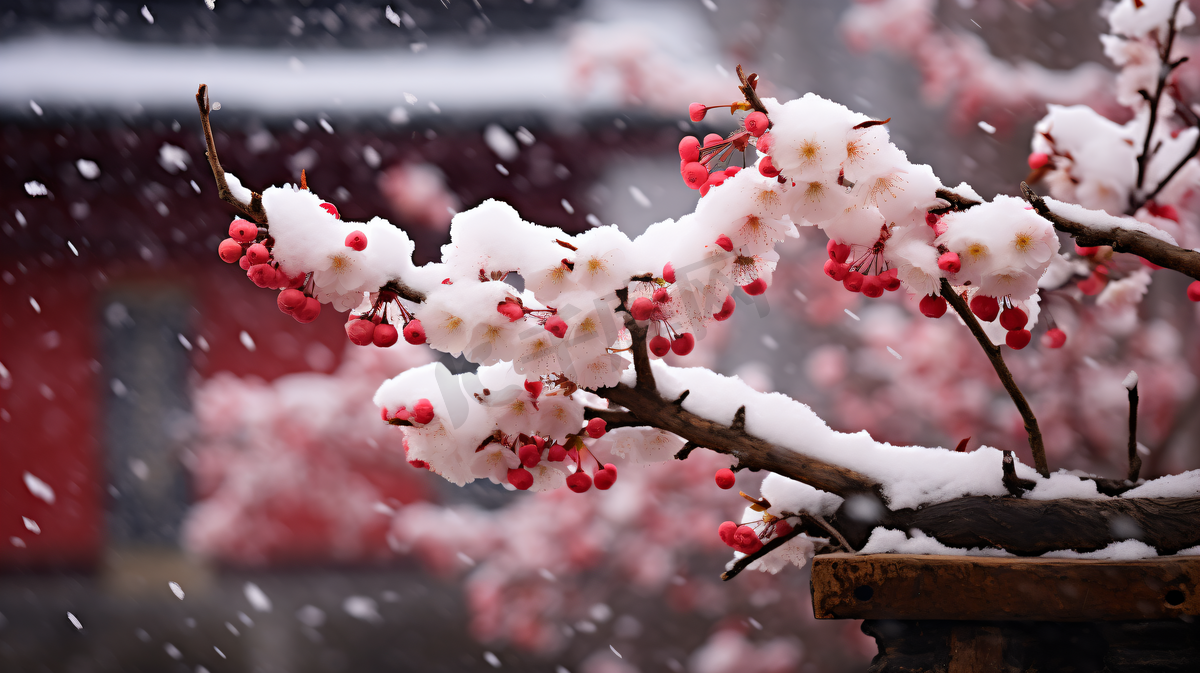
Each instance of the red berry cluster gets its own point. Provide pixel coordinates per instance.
(698, 161)
(531, 450)
(743, 537)
(657, 308)
(375, 326)
(866, 273)
(251, 247)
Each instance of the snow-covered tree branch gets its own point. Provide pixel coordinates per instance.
(571, 382)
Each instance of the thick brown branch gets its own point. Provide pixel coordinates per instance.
(253, 210)
(613, 419)
(1143, 245)
(400, 289)
(641, 356)
(1033, 527)
(1135, 461)
(956, 202)
(1006, 378)
(752, 452)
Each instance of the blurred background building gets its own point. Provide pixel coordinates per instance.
(115, 308)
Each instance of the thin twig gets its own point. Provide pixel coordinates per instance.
(1186, 111)
(1006, 378)
(1015, 485)
(253, 210)
(1164, 71)
(1120, 239)
(747, 89)
(1135, 461)
(831, 530)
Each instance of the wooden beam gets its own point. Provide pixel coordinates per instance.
(910, 587)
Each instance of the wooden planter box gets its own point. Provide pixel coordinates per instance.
(961, 614)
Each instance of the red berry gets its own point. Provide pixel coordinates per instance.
(724, 243)
(660, 345)
(1054, 338)
(836, 270)
(520, 478)
(385, 335)
(838, 252)
(756, 123)
(1193, 290)
(530, 455)
(689, 149)
(229, 251)
(661, 296)
(596, 428)
(279, 303)
(308, 312)
(360, 332)
(712, 139)
(261, 275)
(726, 309)
(244, 262)
(356, 240)
(669, 272)
(579, 482)
(534, 388)
(1013, 318)
(755, 287)
(422, 411)
(725, 478)
(694, 175)
(746, 540)
(242, 231)
(716, 179)
(606, 477)
(949, 262)
(641, 309)
(556, 454)
(511, 310)
(1093, 284)
(766, 168)
(726, 531)
(696, 112)
(331, 209)
(931, 219)
(763, 145)
(414, 332)
(984, 307)
(853, 281)
(872, 286)
(731, 171)
(1018, 339)
(556, 326)
(258, 254)
(704, 189)
(891, 280)
(932, 306)
(1086, 252)
(684, 344)
(1038, 159)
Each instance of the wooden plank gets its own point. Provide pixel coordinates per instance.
(906, 586)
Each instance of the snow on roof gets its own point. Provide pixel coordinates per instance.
(594, 66)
